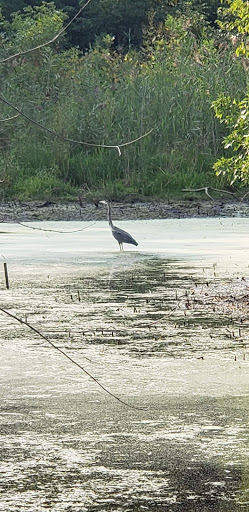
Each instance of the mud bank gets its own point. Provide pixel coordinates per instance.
(70, 211)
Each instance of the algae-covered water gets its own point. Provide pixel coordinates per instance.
(163, 327)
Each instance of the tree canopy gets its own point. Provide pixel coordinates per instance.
(123, 19)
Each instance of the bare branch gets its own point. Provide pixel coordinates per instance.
(205, 189)
(52, 132)
(56, 230)
(9, 118)
(244, 196)
(225, 191)
(70, 358)
(19, 54)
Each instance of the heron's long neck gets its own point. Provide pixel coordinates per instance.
(109, 215)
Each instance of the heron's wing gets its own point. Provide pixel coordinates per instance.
(122, 236)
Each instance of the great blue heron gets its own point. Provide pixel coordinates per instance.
(120, 235)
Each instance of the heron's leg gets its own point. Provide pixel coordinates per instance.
(120, 246)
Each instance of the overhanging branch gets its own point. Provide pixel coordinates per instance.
(19, 54)
(67, 139)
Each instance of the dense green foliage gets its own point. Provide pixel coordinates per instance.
(110, 96)
(234, 111)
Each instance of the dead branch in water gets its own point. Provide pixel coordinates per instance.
(56, 230)
(11, 315)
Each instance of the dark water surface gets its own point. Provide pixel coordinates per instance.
(166, 334)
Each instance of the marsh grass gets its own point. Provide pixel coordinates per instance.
(173, 97)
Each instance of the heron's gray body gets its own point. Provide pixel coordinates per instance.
(120, 235)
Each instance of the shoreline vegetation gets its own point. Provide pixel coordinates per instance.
(73, 120)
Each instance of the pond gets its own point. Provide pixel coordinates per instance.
(163, 327)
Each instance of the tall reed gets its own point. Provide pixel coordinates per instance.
(111, 102)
